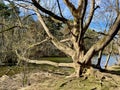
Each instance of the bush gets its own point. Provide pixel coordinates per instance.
(8, 58)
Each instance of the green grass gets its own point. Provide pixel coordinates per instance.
(34, 67)
(10, 70)
(62, 84)
(58, 59)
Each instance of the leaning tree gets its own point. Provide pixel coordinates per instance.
(82, 12)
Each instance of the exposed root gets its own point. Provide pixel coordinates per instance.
(72, 75)
(65, 83)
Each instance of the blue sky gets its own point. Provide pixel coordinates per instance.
(99, 26)
(97, 23)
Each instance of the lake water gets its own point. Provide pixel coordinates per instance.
(111, 62)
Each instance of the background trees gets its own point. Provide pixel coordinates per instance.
(7, 15)
(19, 32)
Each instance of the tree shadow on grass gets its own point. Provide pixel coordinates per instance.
(115, 70)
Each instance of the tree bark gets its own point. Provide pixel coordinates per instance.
(107, 60)
(99, 59)
(108, 57)
(44, 61)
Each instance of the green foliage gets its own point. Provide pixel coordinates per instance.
(53, 26)
(7, 39)
(8, 58)
(4, 10)
(8, 11)
(91, 37)
(58, 59)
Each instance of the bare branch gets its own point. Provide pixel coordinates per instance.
(59, 8)
(43, 61)
(65, 40)
(37, 5)
(85, 2)
(38, 43)
(28, 16)
(71, 7)
(43, 23)
(117, 7)
(23, 5)
(59, 45)
(11, 28)
(92, 9)
(82, 8)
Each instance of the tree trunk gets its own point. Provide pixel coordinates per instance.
(107, 60)
(108, 57)
(80, 69)
(99, 59)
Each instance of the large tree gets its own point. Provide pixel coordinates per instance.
(82, 13)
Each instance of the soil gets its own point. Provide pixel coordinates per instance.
(41, 80)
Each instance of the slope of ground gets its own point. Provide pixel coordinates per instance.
(40, 80)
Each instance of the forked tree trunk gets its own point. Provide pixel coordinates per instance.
(81, 69)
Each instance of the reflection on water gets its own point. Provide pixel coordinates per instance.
(111, 62)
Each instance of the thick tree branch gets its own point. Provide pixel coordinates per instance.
(82, 7)
(37, 5)
(72, 8)
(112, 32)
(92, 9)
(82, 10)
(59, 45)
(85, 3)
(104, 41)
(44, 61)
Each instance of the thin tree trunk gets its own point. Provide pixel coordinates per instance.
(108, 57)
(107, 60)
(99, 59)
